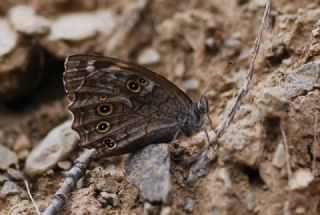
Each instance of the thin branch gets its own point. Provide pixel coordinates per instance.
(315, 148)
(242, 92)
(285, 142)
(30, 196)
(72, 176)
(202, 162)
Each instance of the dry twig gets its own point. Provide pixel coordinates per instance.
(72, 176)
(198, 168)
(285, 143)
(315, 146)
(30, 196)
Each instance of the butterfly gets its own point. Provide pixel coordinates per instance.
(118, 106)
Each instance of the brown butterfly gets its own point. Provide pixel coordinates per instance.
(119, 106)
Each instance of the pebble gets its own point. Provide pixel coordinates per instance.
(301, 179)
(188, 205)
(80, 26)
(279, 157)
(225, 177)
(150, 209)
(15, 174)
(54, 147)
(302, 79)
(191, 84)
(24, 19)
(165, 210)
(8, 38)
(10, 188)
(65, 165)
(179, 69)
(261, 3)
(149, 170)
(7, 158)
(300, 210)
(3, 178)
(231, 43)
(108, 199)
(107, 185)
(22, 143)
(149, 56)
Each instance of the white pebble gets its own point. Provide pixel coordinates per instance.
(80, 26)
(179, 69)
(279, 157)
(191, 84)
(149, 56)
(25, 20)
(7, 158)
(8, 38)
(301, 179)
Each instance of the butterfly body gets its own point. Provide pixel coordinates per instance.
(119, 106)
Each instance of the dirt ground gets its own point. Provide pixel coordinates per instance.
(268, 162)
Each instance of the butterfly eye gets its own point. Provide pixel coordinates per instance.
(109, 143)
(105, 109)
(142, 81)
(133, 86)
(103, 126)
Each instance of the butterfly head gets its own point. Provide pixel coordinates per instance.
(202, 105)
(196, 117)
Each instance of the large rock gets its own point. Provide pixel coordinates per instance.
(149, 170)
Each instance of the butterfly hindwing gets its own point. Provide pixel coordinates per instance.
(119, 106)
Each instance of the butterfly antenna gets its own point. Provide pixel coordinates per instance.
(208, 116)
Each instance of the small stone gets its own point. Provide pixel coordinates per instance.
(179, 69)
(261, 3)
(165, 210)
(149, 56)
(302, 79)
(10, 188)
(3, 178)
(316, 32)
(225, 177)
(15, 174)
(188, 205)
(149, 170)
(300, 210)
(8, 38)
(231, 43)
(54, 147)
(108, 199)
(65, 165)
(22, 143)
(150, 209)
(107, 185)
(251, 204)
(191, 84)
(22, 155)
(25, 20)
(81, 26)
(301, 179)
(7, 158)
(279, 157)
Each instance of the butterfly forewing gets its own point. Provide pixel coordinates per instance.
(119, 106)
